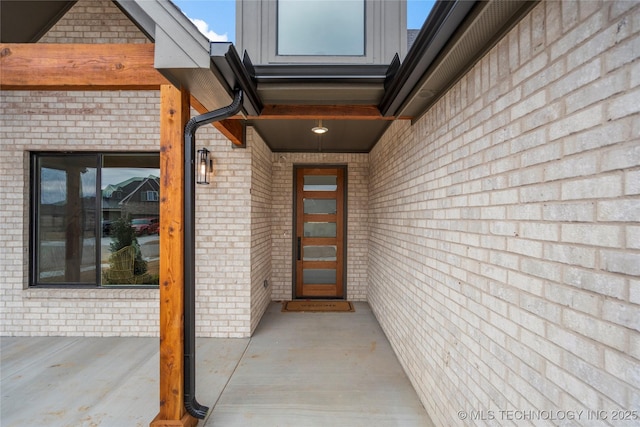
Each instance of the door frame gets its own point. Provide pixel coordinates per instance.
(294, 243)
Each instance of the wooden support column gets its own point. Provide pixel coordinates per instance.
(174, 114)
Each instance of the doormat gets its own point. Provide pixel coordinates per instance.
(317, 306)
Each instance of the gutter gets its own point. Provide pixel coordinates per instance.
(322, 74)
(236, 73)
(191, 404)
(188, 59)
(440, 26)
(454, 38)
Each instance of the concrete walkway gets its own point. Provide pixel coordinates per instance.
(299, 369)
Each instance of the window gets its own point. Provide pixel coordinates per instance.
(321, 27)
(85, 214)
(150, 196)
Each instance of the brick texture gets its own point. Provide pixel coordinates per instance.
(232, 247)
(94, 21)
(261, 223)
(71, 121)
(503, 254)
(67, 121)
(496, 238)
(233, 241)
(224, 241)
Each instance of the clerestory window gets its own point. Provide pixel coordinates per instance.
(321, 27)
(94, 219)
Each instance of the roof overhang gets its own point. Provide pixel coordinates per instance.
(186, 57)
(321, 84)
(27, 22)
(283, 102)
(331, 93)
(454, 37)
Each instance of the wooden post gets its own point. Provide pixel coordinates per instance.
(174, 114)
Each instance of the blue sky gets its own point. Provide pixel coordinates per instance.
(216, 18)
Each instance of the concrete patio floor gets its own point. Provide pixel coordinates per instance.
(299, 369)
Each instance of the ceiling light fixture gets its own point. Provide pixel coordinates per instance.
(319, 129)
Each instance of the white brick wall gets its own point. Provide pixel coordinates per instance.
(232, 249)
(261, 222)
(123, 121)
(504, 256)
(71, 121)
(67, 121)
(496, 239)
(227, 239)
(94, 21)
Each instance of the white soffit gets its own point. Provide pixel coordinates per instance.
(480, 31)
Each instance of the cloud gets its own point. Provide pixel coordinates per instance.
(211, 35)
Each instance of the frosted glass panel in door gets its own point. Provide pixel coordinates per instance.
(320, 229)
(320, 183)
(320, 253)
(320, 206)
(319, 276)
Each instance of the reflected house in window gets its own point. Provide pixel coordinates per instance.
(137, 197)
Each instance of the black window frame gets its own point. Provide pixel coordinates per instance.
(34, 197)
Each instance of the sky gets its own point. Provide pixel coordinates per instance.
(216, 18)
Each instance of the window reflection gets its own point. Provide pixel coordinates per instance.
(80, 238)
(66, 219)
(130, 219)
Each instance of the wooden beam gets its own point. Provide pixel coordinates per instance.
(233, 129)
(43, 66)
(333, 112)
(197, 105)
(174, 114)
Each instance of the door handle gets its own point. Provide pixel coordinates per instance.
(299, 247)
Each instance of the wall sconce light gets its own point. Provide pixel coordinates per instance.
(319, 129)
(205, 167)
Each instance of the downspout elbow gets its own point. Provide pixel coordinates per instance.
(216, 115)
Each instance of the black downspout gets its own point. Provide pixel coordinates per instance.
(190, 403)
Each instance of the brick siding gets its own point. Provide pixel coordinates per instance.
(497, 239)
(94, 21)
(67, 121)
(228, 239)
(224, 240)
(261, 221)
(504, 256)
(119, 121)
